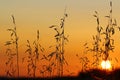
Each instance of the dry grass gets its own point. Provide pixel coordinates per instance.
(103, 42)
(12, 42)
(56, 59)
(60, 41)
(107, 34)
(33, 55)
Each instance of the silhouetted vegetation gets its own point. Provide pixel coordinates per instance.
(103, 41)
(33, 55)
(60, 42)
(84, 60)
(12, 51)
(109, 32)
(93, 74)
(107, 39)
(97, 49)
(103, 44)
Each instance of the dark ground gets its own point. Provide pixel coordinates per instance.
(93, 74)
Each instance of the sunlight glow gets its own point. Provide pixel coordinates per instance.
(106, 65)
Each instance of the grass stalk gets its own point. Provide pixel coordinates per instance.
(14, 41)
(60, 41)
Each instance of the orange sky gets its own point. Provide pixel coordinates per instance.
(32, 15)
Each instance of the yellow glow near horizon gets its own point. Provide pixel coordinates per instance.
(106, 65)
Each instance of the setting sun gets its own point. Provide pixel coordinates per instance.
(60, 39)
(106, 65)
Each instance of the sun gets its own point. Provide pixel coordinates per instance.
(106, 65)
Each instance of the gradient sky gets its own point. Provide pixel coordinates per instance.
(32, 15)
